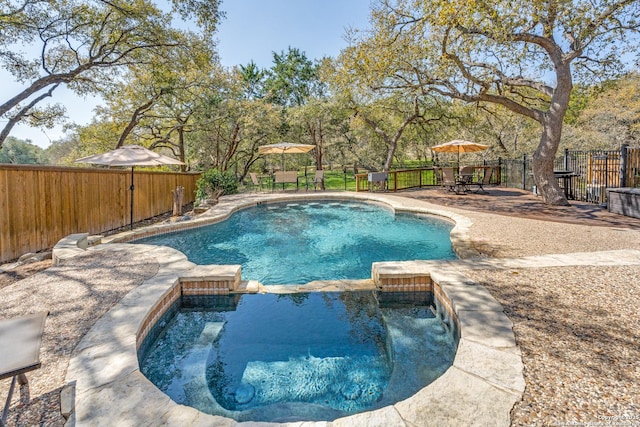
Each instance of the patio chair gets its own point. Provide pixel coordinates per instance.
(318, 180)
(255, 181)
(486, 180)
(449, 182)
(378, 181)
(20, 340)
(466, 174)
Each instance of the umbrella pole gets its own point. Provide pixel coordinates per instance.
(131, 204)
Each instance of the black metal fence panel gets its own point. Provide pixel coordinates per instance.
(585, 175)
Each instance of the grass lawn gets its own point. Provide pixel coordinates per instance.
(334, 180)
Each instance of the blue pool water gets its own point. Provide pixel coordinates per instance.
(295, 357)
(296, 243)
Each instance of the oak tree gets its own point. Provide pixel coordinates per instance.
(523, 56)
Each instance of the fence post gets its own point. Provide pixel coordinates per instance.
(624, 153)
(524, 171)
(565, 160)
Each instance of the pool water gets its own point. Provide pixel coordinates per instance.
(296, 357)
(296, 243)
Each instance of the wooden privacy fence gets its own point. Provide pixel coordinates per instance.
(39, 205)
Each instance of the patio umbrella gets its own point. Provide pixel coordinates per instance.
(459, 146)
(130, 155)
(283, 148)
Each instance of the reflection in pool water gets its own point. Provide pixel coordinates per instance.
(305, 356)
(295, 243)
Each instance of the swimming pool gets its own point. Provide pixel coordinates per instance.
(296, 243)
(296, 357)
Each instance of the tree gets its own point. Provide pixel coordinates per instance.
(231, 124)
(292, 82)
(292, 79)
(523, 56)
(16, 151)
(60, 152)
(253, 80)
(154, 104)
(611, 117)
(81, 44)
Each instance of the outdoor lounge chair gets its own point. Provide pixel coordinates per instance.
(466, 174)
(20, 340)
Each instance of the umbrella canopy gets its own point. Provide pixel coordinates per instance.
(459, 146)
(285, 148)
(131, 156)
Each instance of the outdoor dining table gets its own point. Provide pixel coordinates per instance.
(20, 340)
(567, 182)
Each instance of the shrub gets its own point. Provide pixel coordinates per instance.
(213, 184)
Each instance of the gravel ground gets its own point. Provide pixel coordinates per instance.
(76, 295)
(23, 271)
(577, 327)
(578, 330)
(509, 237)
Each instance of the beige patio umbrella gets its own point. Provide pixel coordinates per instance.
(283, 148)
(459, 146)
(130, 155)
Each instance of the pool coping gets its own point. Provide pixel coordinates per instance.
(485, 381)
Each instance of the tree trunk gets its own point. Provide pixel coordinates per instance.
(545, 154)
(542, 164)
(232, 148)
(183, 167)
(178, 200)
(319, 151)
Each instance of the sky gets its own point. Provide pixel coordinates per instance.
(251, 31)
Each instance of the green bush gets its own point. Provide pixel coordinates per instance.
(213, 184)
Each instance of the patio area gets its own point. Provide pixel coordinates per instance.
(575, 313)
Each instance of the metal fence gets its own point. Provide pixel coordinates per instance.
(585, 175)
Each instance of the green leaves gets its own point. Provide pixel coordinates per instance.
(89, 45)
(292, 79)
(18, 152)
(206, 13)
(214, 184)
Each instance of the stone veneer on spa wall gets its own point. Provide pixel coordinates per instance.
(225, 279)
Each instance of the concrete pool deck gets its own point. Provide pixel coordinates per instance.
(481, 387)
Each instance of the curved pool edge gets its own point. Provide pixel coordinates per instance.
(228, 205)
(483, 384)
